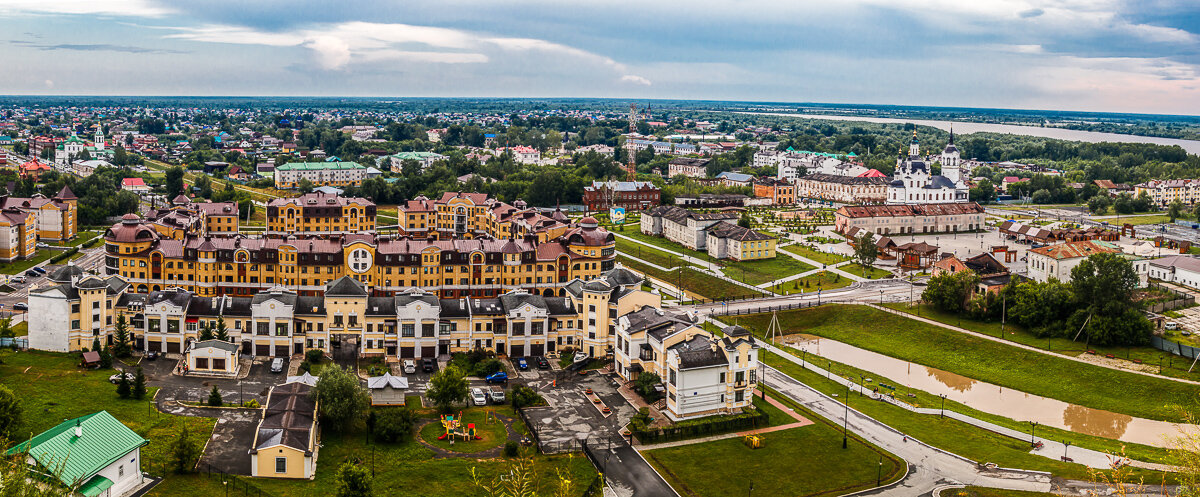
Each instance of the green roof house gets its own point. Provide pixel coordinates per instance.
(94, 455)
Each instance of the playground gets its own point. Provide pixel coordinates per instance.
(468, 432)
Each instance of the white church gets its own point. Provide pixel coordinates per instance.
(914, 182)
(73, 147)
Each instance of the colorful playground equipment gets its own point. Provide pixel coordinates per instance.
(455, 431)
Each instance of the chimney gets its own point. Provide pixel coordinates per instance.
(78, 429)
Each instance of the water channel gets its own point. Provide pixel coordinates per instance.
(991, 398)
(965, 127)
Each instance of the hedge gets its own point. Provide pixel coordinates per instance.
(703, 427)
(56, 259)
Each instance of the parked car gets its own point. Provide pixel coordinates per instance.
(477, 397)
(152, 355)
(17, 279)
(497, 395)
(117, 377)
(21, 306)
(499, 377)
(32, 274)
(1172, 326)
(522, 364)
(427, 365)
(410, 366)
(541, 362)
(277, 365)
(38, 269)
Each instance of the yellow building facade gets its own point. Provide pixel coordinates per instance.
(320, 214)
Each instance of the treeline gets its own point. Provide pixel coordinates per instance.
(1097, 305)
(100, 195)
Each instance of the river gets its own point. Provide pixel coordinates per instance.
(991, 398)
(966, 127)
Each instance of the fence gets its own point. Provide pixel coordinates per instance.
(1181, 300)
(1176, 348)
(702, 429)
(235, 485)
(20, 343)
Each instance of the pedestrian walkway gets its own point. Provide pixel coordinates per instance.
(800, 421)
(831, 268)
(1050, 448)
(695, 264)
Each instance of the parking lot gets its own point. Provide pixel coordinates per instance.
(255, 385)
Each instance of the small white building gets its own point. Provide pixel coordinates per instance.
(93, 455)
(1057, 261)
(387, 390)
(212, 358)
(1179, 269)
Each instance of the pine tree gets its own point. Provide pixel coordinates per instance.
(121, 338)
(123, 388)
(222, 333)
(206, 332)
(184, 451)
(139, 385)
(96, 344)
(214, 398)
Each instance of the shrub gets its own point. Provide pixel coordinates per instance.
(252, 403)
(314, 356)
(305, 367)
(523, 396)
(58, 258)
(394, 424)
(377, 370)
(510, 448)
(214, 398)
(488, 366)
(644, 386)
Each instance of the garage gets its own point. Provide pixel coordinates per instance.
(154, 346)
(282, 350)
(517, 350)
(537, 349)
(262, 350)
(429, 351)
(406, 353)
(172, 347)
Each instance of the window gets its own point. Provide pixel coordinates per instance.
(264, 329)
(281, 465)
(281, 329)
(408, 330)
(672, 376)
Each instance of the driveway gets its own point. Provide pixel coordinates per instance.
(255, 385)
(229, 448)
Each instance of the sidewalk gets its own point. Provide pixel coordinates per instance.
(831, 268)
(695, 264)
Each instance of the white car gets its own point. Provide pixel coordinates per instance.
(477, 397)
(410, 366)
(117, 377)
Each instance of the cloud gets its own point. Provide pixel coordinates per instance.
(1026, 14)
(127, 8)
(637, 80)
(97, 47)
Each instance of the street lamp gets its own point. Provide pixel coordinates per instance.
(943, 408)
(879, 473)
(1066, 445)
(880, 297)
(846, 419)
(1032, 429)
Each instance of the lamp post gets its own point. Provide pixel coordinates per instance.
(881, 297)
(226, 485)
(1066, 445)
(879, 473)
(1033, 428)
(943, 408)
(846, 419)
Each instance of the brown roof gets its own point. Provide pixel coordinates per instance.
(1073, 250)
(860, 211)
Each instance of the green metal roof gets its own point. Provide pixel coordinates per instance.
(416, 155)
(94, 486)
(75, 460)
(317, 166)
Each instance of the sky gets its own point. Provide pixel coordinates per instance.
(1088, 55)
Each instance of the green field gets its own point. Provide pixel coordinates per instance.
(80, 238)
(869, 272)
(823, 280)
(42, 255)
(764, 270)
(51, 389)
(698, 284)
(985, 360)
(785, 465)
(1171, 365)
(648, 254)
(815, 255)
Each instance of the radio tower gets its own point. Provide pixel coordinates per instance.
(631, 169)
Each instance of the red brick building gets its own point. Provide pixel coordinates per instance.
(632, 195)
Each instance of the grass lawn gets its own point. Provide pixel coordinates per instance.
(493, 432)
(1172, 366)
(870, 272)
(52, 389)
(762, 271)
(404, 468)
(657, 241)
(984, 360)
(815, 255)
(698, 284)
(785, 465)
(42, 255)
(648, 254)
(81, 238)
(1139, 220)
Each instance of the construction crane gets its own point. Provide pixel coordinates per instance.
(631, 168)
